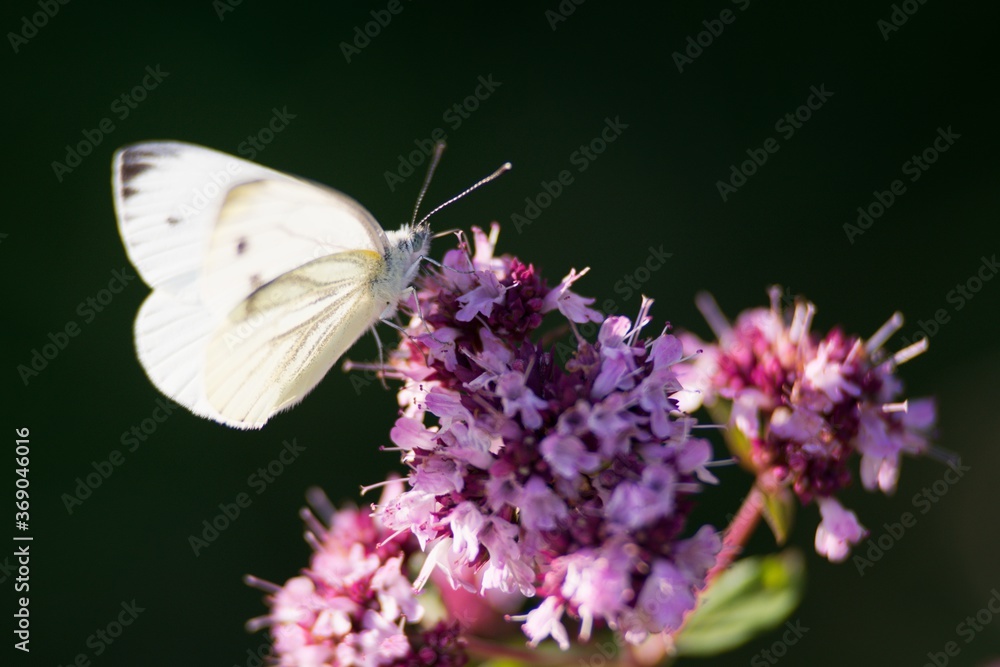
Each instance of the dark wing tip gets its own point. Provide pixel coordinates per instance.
(131, 167)
(137, 158)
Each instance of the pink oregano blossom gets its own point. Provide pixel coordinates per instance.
(354, 606)
(561, 476)
(569, 484)
(808, 403)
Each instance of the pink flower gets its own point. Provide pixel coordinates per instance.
(545, 621)
(838, 531)
(568, 456)
(617, 358)
(517, 398)
(353, 606)
(808, 404)
(573, 306)
(570, 484)
(482, 299)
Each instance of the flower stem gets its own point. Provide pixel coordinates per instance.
(738, 532)
(735, 538)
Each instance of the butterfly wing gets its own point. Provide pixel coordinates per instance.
(171, 337)
(167, 198)
(207, 230)
(278, 343)
(188, 214)
(267, 228)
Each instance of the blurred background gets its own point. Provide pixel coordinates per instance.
(693, 91)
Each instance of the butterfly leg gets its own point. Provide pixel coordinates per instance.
(442, 266)
(381, 356)
(413, 292)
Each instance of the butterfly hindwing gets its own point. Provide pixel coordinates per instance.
(171, 338)
(277, 344)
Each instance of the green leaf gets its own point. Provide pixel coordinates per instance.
(754, 595)
(779, 512)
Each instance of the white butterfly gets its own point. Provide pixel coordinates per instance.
(261, 280)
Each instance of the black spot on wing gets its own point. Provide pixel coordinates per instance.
(241, 246)
(132, 168)
(128, 192)
(172, 220)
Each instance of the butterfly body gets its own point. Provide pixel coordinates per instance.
(406, 247)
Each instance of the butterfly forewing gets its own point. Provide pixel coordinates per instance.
(267, 228)
(168, 196)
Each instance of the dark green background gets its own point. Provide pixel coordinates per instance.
(654, 186)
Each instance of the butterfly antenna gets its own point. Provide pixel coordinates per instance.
(506, 166)
(438, 150)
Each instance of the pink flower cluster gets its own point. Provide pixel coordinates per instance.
(354, 606)
(568, 483)
(807, 404)
(562, 476)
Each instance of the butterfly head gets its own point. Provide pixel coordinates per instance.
(407, 245)
(411, 240)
